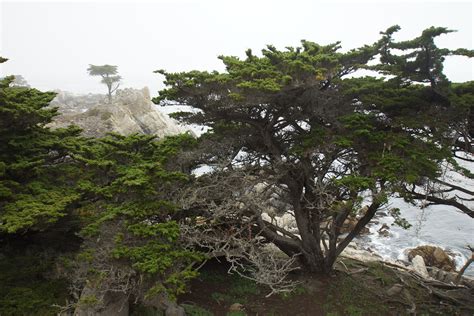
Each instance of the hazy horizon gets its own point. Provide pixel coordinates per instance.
(51, 44)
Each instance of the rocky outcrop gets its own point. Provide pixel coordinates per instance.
(131, 111)
(433, 257)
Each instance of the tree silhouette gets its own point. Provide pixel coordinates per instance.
(109, 77)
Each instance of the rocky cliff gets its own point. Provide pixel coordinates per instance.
(131, 111)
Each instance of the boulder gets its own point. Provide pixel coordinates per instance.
(420, 267)
(433, 257)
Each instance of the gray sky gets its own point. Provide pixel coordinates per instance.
(52, 43)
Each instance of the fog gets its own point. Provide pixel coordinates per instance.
(52, 43)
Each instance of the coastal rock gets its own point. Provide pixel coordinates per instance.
(433, 257)
(352, 251)
(420, 267)
(349, 225)
(131, 111)
(384, 230)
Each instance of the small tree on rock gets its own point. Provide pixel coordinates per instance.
(109, 76)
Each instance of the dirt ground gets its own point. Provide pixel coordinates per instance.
(355, 288)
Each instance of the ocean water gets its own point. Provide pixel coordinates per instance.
(438, 225)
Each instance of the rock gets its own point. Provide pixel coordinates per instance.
(236, 307)
(441, 275)
(111, 304)
(360, 254)
(131, 111)
(395, 290)
(349, 225)
(433, 257)
(163, 303)
(450, 277)
(384, 230)
(420, 267)
(365, 231)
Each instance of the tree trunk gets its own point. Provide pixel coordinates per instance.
(109, 93)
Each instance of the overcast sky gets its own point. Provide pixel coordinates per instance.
(52, 43)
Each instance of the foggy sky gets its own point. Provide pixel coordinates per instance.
(52, 43)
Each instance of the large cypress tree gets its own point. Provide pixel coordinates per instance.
(324, 143)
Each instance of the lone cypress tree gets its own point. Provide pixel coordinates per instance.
(109, 77)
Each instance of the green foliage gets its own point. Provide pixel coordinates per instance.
(24, 288)
(115, 190)
(34, 188)
(103, 70)
(109, 76)
(352, 298)
(399, 220)
(239, 291)
(126, 184)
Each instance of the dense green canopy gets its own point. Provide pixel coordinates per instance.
(73, 211)
(331, 141)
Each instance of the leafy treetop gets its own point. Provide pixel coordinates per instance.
(110, 77)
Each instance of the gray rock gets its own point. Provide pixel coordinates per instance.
(131, 111)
